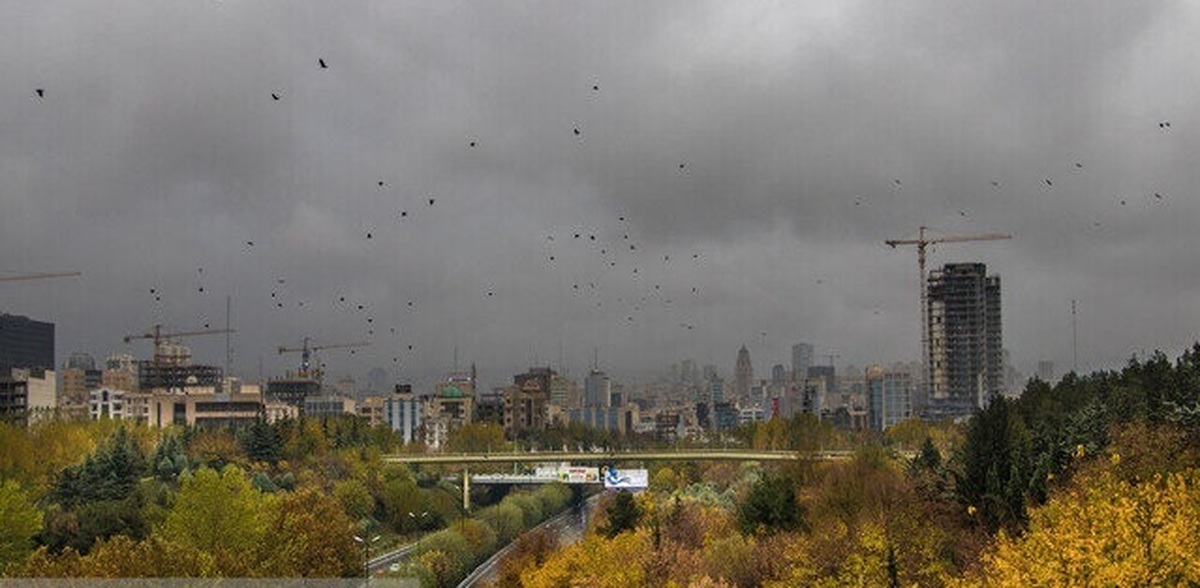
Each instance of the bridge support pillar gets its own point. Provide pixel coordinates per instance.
(466, 486)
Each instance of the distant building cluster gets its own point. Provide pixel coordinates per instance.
(965, 366)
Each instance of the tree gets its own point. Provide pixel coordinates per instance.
(995, 463)
(221, 514)
(770, 506)
(20, 521)
(1105, 531)
(623, 515)
(476, 438)
(262, 442)
(311, 537)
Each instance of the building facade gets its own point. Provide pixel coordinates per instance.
(25, 343)
(743, 375)
(964, 354)
(889, 396)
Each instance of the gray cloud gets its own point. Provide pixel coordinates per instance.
(808, 134)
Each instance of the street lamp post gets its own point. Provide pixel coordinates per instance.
(366, 543)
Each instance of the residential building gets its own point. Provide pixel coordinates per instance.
(965, 353)
(890, 394)
(597, 389)
(27, 394)
(25, 343)
(328, 405)
(404, 413)
(802, 354)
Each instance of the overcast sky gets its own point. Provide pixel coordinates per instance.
(732, 170)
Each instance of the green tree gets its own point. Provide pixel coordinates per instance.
(221, 514)
(262, 442)
(20, 521)
(994, 477)
(770, 506)
(623, 515)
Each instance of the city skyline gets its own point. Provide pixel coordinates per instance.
(515, 185)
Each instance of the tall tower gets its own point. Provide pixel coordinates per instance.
(965, 355)
(743, 375)
(802, 354)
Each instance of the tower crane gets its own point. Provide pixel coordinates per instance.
(38, 276)
(307, 350)
(921, 242)
(160, 337)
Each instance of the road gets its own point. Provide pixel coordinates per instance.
(567, 527)
(380, 561)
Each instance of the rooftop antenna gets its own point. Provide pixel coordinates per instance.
(1074, 341)
(228, 348)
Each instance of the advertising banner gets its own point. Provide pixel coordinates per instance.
(626, 479)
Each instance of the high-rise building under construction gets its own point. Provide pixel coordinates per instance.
(966, 361)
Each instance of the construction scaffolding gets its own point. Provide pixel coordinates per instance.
(964, 352)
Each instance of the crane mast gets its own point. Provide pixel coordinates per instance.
(307, 350)
(922, 242)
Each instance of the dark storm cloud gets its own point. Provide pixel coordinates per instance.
(746, 159)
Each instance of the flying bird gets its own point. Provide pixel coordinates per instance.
(431, 201)
(596, 88)
(321, 62)
(275, 96)
(577, 131)
(41, 92)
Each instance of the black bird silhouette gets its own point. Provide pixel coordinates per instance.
(681, 166)
(431, 201)
(368, 235)
(321, 62)
(1078, 165)
(403, 213)
(380, 183)
(41, 92)
(250, 243)
(274, 96)
(1157, 196)
(1166, 124)
(596, 88)
(1048, 182)
(472, 143)
(576, 131)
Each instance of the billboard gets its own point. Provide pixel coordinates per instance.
(626, 479)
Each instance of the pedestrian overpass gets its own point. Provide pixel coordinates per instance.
(595, 457)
